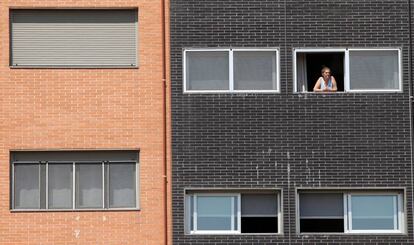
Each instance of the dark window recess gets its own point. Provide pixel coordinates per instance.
(322, 225)
(309, 66)
(259, 225)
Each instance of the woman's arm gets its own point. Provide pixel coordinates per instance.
(317, 87)
(334, 87)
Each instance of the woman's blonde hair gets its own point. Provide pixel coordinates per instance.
(324, 68)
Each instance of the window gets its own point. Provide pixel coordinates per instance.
(74, 38)
(232, 213)
(355, 70)
(74, 180)
(355, 212)
(231, 70)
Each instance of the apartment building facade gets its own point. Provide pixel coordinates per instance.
(83, 132)
(258, 157)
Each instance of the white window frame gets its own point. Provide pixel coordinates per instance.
(398, 214)
(347, 81)
(74, 163)
(399, 217)
(231, 71)
(235, 197)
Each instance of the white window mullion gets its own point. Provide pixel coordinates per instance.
(349, 197)
(346, 72)
(195, 213)
(401, 221)
(239, 213)
(346, 228)
(231, 71)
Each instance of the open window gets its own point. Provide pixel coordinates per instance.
(232, 213)
(310, 64)
(351, 212)
(355, 70)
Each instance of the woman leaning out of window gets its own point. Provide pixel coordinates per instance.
(326, 83)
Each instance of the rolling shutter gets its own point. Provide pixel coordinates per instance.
(84, 38)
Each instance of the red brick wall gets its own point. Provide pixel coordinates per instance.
(86, 109)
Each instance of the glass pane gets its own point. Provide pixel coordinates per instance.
(373, 212)
(321, 205)
(89, 185)
(207, 70)
(60, 186)
(259, 205)
(214, 213)
(374, 69)
(254, 70)
(26, 186)
(122, 185)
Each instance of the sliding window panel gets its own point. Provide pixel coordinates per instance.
(122, 185)
(89, 186)
(255, 70)
(60, 186)
(321, 212)
(259, 213)
(207, 70)
(374, 212)
(216, 213)
(26, 186)
(374, 70)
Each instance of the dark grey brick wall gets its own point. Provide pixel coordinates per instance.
(289, 140)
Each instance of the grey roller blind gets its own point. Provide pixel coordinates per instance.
(374, 69)
(26, 186)
(259, 205)
(323, 205)
(207, 70)
(254, 70)
(60, 186)
(122, 184)
(74, 38)
(89, 186)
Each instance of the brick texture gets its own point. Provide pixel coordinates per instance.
(86, 109)
(289, 140)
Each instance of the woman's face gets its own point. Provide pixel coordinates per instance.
(326, 74)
